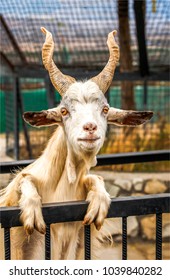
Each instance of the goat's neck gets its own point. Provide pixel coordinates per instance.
(70, 186)
(52, 161)
(64, 168)
(59, 152)
(75, 163)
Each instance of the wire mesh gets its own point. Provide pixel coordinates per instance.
(34, 98)
(80, 30)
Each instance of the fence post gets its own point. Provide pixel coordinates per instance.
(7, 243)
(87, 243)
(47, 243)
(124, 238)
(159, 236)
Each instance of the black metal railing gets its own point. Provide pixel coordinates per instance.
(75, 211)
(107, 159)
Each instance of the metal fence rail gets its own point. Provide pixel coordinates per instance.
(75, 211)
(107, 159)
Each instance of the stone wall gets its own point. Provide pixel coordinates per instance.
(138, 184)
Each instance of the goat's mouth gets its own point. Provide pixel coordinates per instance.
(89, 143)
(89, 139)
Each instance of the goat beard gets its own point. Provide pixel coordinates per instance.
(79, 154)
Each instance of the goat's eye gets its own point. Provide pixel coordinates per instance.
(105, 109)
(64, 111)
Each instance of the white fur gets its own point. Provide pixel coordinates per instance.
(61, 174)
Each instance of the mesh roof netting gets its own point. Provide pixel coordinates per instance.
(80, 30)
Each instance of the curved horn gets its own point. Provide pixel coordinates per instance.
(60, 81)
(105, 77)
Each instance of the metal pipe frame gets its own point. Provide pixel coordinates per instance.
(108, 159)
(12, 39)
(75, 211)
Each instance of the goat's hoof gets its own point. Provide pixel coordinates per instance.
(86, 221)
(90, 219)
(41, 228)
(98, 225)
(97, 209)
(32, 218)
(28, 229)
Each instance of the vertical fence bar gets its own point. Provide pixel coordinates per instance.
(7, 243)
(16, 120)
(87, 243)
(25, 129)
(124, 238)
(158, 236)
(48, 243)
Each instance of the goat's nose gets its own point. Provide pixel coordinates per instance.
(90, 127)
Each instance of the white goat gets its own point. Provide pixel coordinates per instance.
(61, 173)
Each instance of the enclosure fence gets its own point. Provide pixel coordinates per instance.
(75, 211)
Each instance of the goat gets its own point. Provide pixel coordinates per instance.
(61, 173)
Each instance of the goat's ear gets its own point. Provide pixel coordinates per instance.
(128, 118)
(43, 118)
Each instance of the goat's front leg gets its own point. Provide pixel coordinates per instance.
(99, 200)
(30, 204)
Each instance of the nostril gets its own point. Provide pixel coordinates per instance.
(94, 127)
(90, 127)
